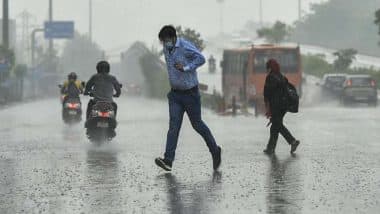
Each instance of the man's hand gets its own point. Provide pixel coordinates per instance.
(179, 67)
(268, 114)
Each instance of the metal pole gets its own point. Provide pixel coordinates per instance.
(221, 17)
(299, 10)
(261, 13)
(90, 20)
(6, 24)
(33, 40)
(50, 20)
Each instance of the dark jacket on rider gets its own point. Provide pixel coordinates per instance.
(102, 87)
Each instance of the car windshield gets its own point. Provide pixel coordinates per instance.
(336, 79)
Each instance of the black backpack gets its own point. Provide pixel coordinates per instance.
(291, 97)
(72, 90)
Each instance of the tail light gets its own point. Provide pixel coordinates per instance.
(73, 105)
(349, 83)
(105, 114)
(373, 83)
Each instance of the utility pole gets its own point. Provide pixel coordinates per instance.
(6, 24)
(50, 20)
(299, 10)
(90, 20)
(221, 15)
(26, 17)
(33, 45)
(261, 13)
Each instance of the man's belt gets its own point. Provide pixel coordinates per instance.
(185, 91)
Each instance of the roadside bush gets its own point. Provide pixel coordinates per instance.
(316, 65)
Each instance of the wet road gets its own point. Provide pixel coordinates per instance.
(49, 167)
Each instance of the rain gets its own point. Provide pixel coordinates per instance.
(54, 160)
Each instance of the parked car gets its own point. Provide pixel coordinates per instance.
(359, 88)
(333, 83)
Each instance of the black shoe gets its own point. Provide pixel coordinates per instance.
(164, 164)
(217, 159)
(294, 146)
(269, 151)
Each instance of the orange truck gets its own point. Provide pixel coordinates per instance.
(244, 73)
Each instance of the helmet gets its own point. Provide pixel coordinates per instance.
(103, 67)
(72, 76)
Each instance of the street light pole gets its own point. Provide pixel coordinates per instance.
(33, 45)
(5, 24)
(50, 20)
(221, 14)
(299, 10)
(90, 20)
(261, 13)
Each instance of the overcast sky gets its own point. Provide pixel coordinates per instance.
(117, 23)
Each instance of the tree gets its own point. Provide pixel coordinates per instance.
(192, 36)
(344, 59)
(338, 24)
(275, 34)
(8, 56)
(156, 78)
(21, 70)
(81, 55)
(377, 20)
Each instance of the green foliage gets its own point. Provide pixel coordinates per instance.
(155, 75)
(192, 36)
(344, 59)
(316, 65)
(81, 55)
(339, 24)
(377, 20)
(275, 34)
(7, 54)
(20, 70)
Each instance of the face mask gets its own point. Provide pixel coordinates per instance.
(169, 45)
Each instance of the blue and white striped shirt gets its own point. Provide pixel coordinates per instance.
(190, 57)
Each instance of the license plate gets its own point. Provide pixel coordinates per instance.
(102, 125)
(72, 113)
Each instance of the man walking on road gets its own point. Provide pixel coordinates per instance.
(182, 60)
(274, 90)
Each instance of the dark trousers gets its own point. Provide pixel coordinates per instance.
(277, 128)
(92, 102)
(189, 102)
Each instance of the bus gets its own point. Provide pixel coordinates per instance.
(244, 73)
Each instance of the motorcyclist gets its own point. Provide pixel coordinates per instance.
(102, 86)
(72, 87)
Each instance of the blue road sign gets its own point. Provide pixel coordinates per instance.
(4, 67)
(59, 30)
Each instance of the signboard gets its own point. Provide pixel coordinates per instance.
(4, 63)
(59, 30)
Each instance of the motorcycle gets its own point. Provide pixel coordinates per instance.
(71, 109)
(101, 124)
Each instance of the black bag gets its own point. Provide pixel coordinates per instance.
(72, 90)
(291, 98)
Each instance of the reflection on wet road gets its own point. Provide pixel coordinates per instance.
(49, 167)
(284, 190)
(191, 198)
